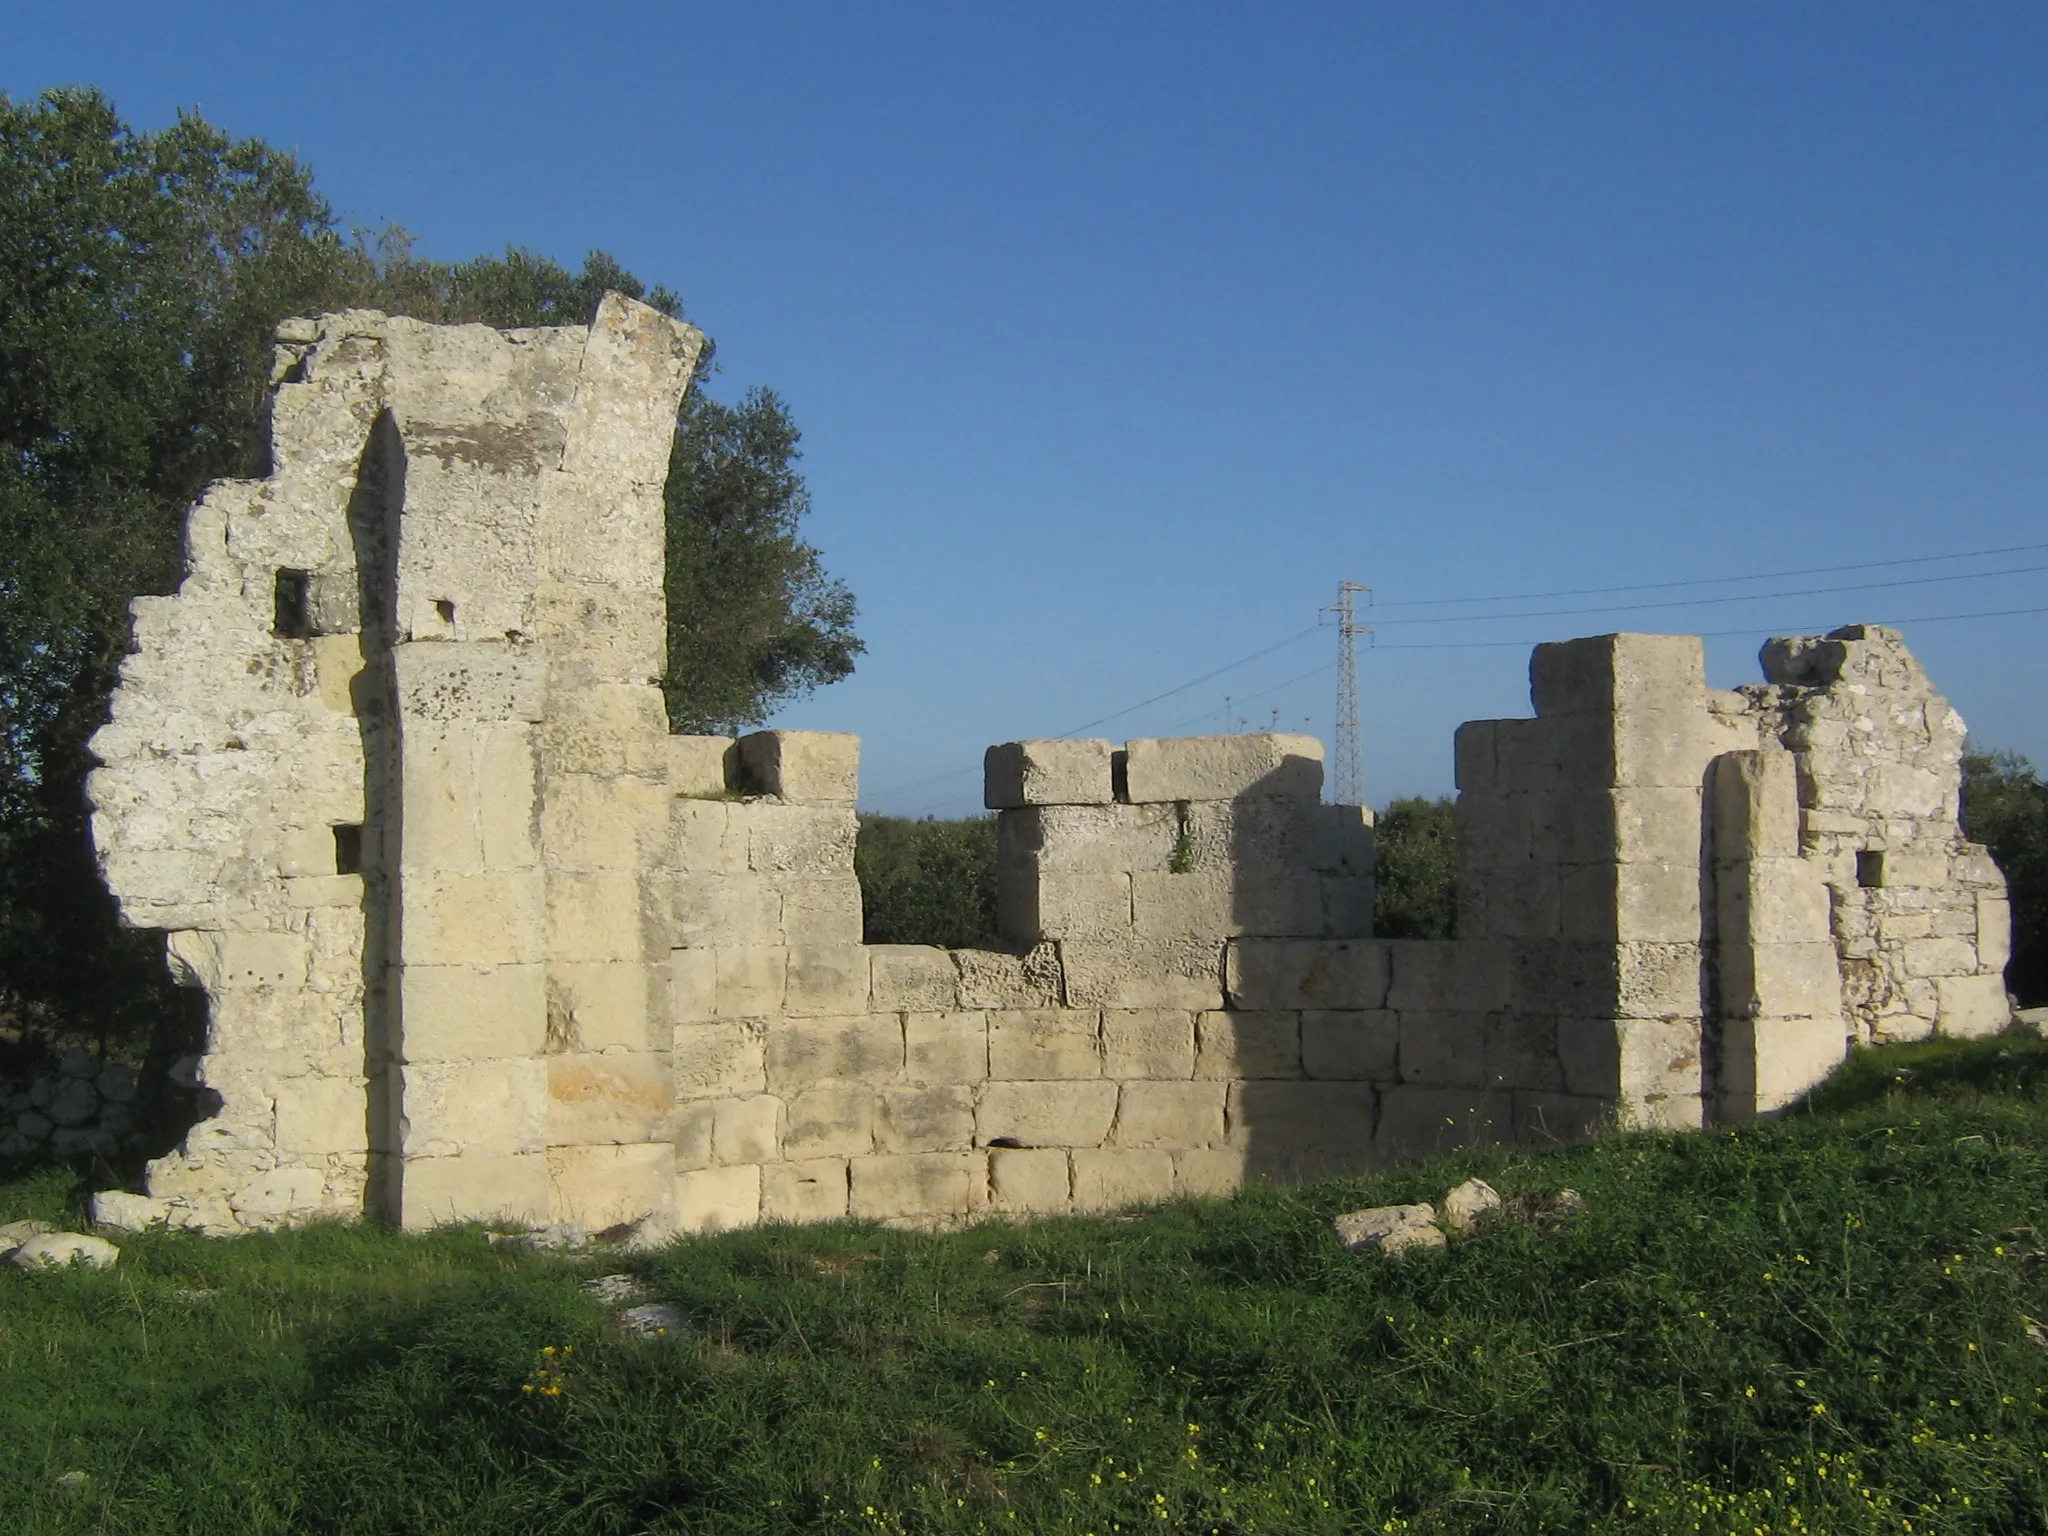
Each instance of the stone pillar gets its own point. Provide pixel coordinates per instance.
(1633, 731)
(1777, 987)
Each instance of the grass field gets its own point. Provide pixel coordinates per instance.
(1820, 1324)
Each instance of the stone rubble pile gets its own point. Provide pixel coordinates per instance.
(83, 1109)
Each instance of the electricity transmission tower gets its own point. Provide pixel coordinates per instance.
(1349, 788)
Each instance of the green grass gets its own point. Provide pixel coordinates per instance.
(1817, 1324)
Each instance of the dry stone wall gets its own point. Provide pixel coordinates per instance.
(481, 940)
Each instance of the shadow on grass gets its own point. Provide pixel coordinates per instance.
(2013, 1064)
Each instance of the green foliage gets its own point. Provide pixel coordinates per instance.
(1821, 1323)
(2005, 807)
(1416, 866)
(141, 280)
(928, 881)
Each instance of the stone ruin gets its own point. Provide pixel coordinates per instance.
(481, 940)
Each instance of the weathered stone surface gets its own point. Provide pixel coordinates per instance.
(1470, 1201)
(1389, 1229)
(1020, 773)
(807, 767)
(1263, 766)
(59, 1250)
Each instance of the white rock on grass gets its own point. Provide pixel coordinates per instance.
(1471, 1200)
(1390, 1229)
(131, 1213)
(59, 1250)
(615, 1290)
(14, 1233)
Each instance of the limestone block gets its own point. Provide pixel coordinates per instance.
(1233, 1045)
(1262, 766)
(1630, 824)
(1027, 978)
(828, 979)
(708, 837)
(1044, 1043)
(597, 1097)
(818, 909)
(1148, 1043)
(1792, 1056)
(814, 1189)
(1348, 903)
(602, 1187)
(464, 1107)
(717, 1199)
(752, 980)
(1056, 904)
(1544, 1119)
(496, 918)
(1644, 901)
(920, 978)
(475, 1186)
(831, 1119)
(1573, 980)
(600, 632)
(1658, 981)
(1295, 1130)
(1185, 974)
(945, 1047)
(606, 728)
(816, 767)
(1020, 773)
(1116, 1179)
(1972, 1006)
(1780, 980)
(1940, 957)
(1756, 805)
(1528, 755)
(1525, 902)
(860, 1047)
(324, 891)
(1603, 672)
(1419, 1123)
(320, 1114)
(714, 1060)
(1170, 1115)
(603, 1007)
(604, 823)
(1443, 1050)
(1521, 1053)
(920, 1186)
(1994, 932)
(1088, 837)
(1357, 1046)
(474, 680)
(690, 1132)
(471, 1013)
(1208, 1173)
(1473, 762)
(1439, 976)
(799, 839)
(1307, 973)
(1045, 1114)
(1248, 900)
(747, 1130)
(1637, 1061)
(1029, 1180)
(222, 960)
(594, 915)
(926, 1119)
(700, 767)
(692, 985)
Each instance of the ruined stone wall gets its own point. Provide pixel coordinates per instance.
(481, 940)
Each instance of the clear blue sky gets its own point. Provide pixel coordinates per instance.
(1120, 333)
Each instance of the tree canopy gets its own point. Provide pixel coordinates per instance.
(142, 276)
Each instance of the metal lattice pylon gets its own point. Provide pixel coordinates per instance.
(1349, 787)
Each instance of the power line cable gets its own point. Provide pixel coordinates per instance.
(1696, 602)
(1710, 634)
(1709, 581)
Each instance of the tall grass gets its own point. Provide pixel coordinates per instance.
(1819, 1324)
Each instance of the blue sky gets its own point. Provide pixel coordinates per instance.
(1120, 333)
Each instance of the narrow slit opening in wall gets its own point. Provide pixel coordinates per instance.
(348, 850)
(446, 610)
(1870, 869)
(292, 605)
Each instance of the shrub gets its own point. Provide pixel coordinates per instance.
(1417, 867)
(2005, 807)
(927, 881)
